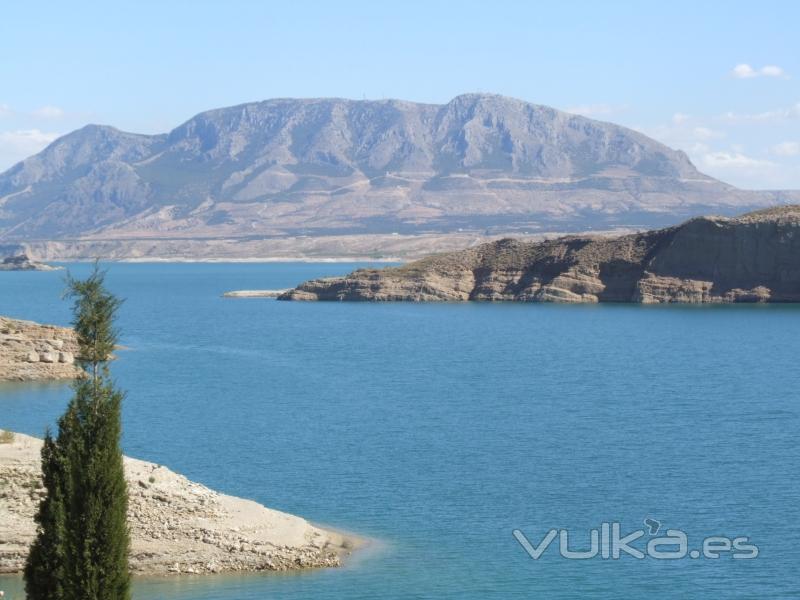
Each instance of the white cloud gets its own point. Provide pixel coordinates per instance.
(779, 114)
(786, 149)
(712, 146)
(747, 171)
(705, 133)
(680, 118)
(685, 133)
(18, 145)
(734, 160)
(745, 71)
(48, 112)
(772, 71)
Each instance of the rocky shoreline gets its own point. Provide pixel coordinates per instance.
(33, 352)
(177, 526)
(752, 258)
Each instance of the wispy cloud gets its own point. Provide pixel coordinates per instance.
(686, 133)
(734, 160)
(706, 133)
(745, 170)
(786, 149)
(745, 71)
(48, 112)
(680, 118)
(710, 147)
(18, 145)
(778, 114)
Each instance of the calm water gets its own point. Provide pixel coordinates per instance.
(438, 429)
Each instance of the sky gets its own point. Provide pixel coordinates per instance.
(719, 80)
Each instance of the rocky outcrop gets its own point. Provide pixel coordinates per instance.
(177, 526)
(22, 262)
(752, 258)
(32, 352)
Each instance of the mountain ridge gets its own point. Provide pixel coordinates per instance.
(320, 167)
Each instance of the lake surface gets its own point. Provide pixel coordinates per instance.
(438, 429)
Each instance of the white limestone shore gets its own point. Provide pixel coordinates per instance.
(254, 293)
(177, 526)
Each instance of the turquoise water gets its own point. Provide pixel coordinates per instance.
(438, 429)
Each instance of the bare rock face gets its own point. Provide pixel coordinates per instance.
(32, 352)
(752, 258)
(47, 357)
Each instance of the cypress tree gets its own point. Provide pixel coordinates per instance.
(44, 570)
(81, 548)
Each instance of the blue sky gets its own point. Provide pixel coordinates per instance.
(720, 80)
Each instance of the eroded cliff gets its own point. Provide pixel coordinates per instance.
(752, 258)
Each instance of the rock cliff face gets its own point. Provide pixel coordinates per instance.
(752, 258)
(31, 352)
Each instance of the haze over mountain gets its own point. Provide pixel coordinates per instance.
(322, 167)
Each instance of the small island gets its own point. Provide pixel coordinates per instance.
(21, 262)
(751, 258)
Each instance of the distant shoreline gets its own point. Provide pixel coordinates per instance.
(251, 260)
(255, 293)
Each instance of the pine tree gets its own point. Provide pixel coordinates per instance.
(81, 548)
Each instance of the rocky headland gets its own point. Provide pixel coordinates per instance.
(177, 526)
(751, 258)
(33, 352)
(22, 262)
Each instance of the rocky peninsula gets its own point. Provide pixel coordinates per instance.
(751, 258)
(177, 526)
(33, 352)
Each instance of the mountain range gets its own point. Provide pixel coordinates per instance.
(317, 168)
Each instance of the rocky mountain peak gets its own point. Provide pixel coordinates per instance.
(319, 166)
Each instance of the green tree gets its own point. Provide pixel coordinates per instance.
(81, 548)
(44, 570)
